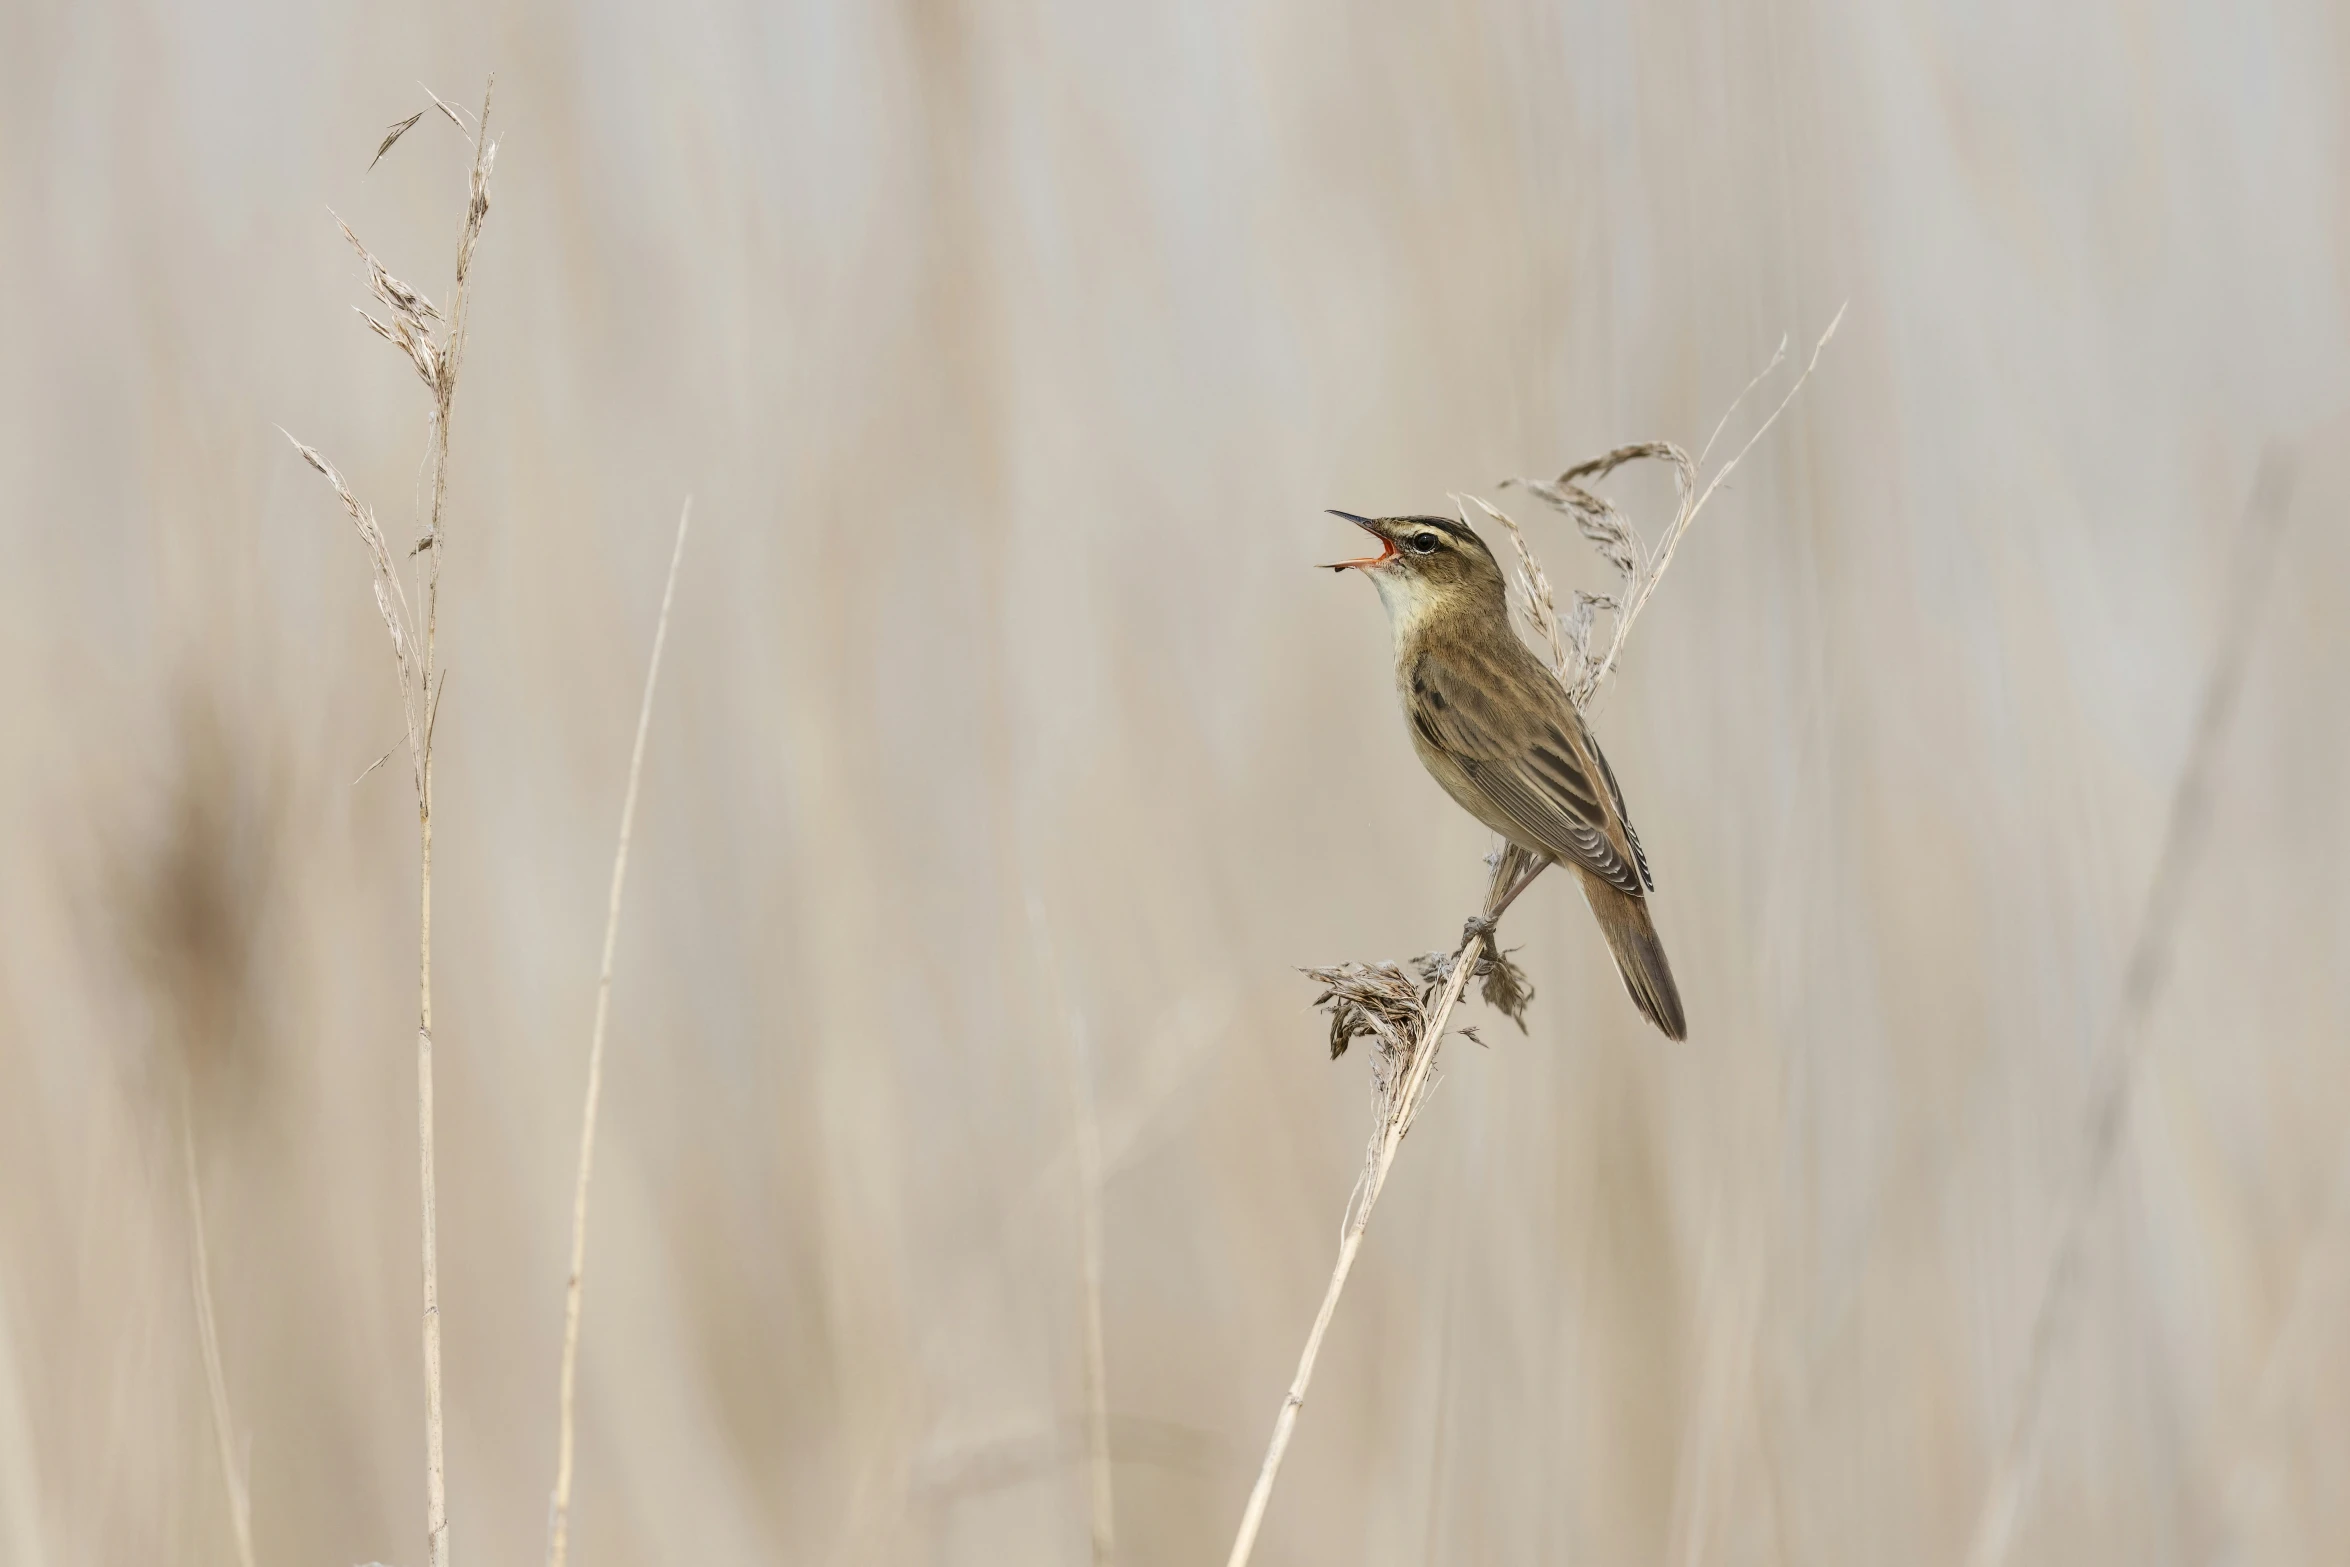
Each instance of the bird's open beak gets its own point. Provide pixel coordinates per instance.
(1386, 544)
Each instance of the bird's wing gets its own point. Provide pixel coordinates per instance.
(1639, 855)
(1518, 740)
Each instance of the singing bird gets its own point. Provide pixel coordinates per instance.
(1496, 729)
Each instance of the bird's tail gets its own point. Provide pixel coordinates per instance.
(1640, 957)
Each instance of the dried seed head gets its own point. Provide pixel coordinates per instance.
(454, 115)
(1504, 987)
(397, 296)
(1579, 622)
(1500, 982)
(1374, 1001)
(399, 129)
(412, 315)
(391, 600)
(1534, 599)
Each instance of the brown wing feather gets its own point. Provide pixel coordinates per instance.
(1639, 855)
(1524, 763)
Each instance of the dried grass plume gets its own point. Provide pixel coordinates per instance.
(434, 345)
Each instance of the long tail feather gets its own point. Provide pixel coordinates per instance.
(1640, 957)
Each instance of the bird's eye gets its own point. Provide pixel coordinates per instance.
(1424, 543)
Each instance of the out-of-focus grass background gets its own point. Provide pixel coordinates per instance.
(1012, 352)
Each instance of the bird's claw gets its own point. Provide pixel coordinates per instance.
(1478, 925)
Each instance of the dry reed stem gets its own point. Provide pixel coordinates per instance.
(436, 361)
(559, 1504)
(1778, 358)
(2305, 1331)
(21, 1488)
(1376, 999)
(1638, 568)
(1350, 1243)
(477, 208)
(232, 1473)
(2190, 814)
(1399, 1104)
(1654, 571)
(1086, 1144)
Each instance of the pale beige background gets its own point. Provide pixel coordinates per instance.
(1011, 352)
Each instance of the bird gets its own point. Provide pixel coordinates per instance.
(1498, 732)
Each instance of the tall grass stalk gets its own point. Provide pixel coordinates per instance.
(1085, 1140)
(559, 1504)
(232, 1472)
(435, 345)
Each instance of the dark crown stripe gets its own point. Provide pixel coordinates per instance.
(1451, 525)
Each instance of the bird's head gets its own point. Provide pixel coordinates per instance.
(1428, 566)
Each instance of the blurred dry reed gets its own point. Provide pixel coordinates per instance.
(435, 345)
(2142, 977)
(232, 1468)
(1086, 1145)
(2320, 1294)
(1406, 1018)
(559, 1504)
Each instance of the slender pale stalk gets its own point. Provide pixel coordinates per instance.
(1512, 876)
(1105, 1507)
(22, 1496)
(232, 1473)
(436, 1489)
(559, 1504)
(1086, 1144)
(436, 1483)
(409, 326)
(1653, 571)
(1097, 1371)
(1350, 1243)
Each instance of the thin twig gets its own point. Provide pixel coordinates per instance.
(1653, 570)
(408, 324)
(23, 1497)
(432, 710)
(452, 353)
(559, 1504)
(1086, 1142)
(2142, 977)
(1394, 1121)
(232, 1474)
(1638, 568)
(1778, 358)
(378, 762)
